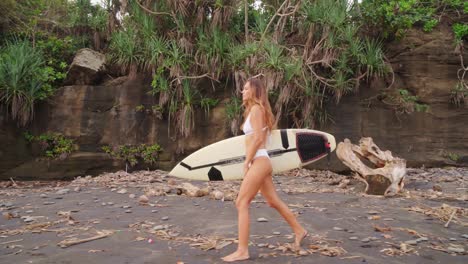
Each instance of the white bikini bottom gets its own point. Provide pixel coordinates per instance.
(261, 153)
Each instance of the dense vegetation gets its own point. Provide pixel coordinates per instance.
(310, 52)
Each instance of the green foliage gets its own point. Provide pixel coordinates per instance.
(159, 83)
(29, 74)
(208, 103)
(372, 58)
(132, 154)
(155, 49)
(124, 50)
(98, 18)
(23, 80)
(140, 108)
(430, 24)
(394, 17)
(308, 56)
(458, 94)
(8, 10)
(54, 145)
(212, 50)
(57, 52)
(238, 54)
(409, 100)
(274, 58)
(460, 30)
(324, 12)
(186, 114)
(233, 108)
(452, 156)
(83, 14)
(80, 13)
(28, 136)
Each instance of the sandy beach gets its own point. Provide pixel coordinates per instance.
(149, 217)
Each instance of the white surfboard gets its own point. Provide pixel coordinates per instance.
(288, 149)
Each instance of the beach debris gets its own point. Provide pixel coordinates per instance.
(160, 227)
(326, 250)
(398, 250)
(386, 179)
(143, 200)
(75, 241)
(95, 250)
(444, 213)
(344, 183)
(62, 191)
(7, 215)
(451, 249)
(122, 191)
(208, 243)
(451, 217)
(67, 216)
(218, 195)
(457, 249)
(382, 229)
(9, 242)
(192, 190)
(267, 255)
(298, 181)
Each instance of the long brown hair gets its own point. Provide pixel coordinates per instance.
(259, 97)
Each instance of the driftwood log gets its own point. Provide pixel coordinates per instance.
(386, 179)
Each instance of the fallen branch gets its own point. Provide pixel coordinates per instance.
(450, 219)
(13, 241)
(74, 241)
(14, 183)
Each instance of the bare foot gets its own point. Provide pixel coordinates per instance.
(237, 256)
(300, 238)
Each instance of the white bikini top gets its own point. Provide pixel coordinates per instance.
(248, 129)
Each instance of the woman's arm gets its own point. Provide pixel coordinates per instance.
(257, 122)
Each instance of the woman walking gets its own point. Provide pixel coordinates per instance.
(259, 121)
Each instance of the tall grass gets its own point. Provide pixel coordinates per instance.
(22, 79)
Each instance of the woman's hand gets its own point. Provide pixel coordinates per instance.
(246, 166)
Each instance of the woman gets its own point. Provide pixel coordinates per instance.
(257, 167)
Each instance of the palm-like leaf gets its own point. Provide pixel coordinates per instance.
(373, 59)
(154, 51)
(274, 57)
(21, 79)
(124, 49)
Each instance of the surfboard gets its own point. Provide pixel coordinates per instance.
(288, 149)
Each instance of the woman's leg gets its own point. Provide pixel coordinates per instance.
(269, 192)
(260, 168)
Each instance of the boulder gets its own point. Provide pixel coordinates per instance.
(86, 67)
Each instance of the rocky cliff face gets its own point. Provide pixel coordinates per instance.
(425, 65)
(102, 115)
